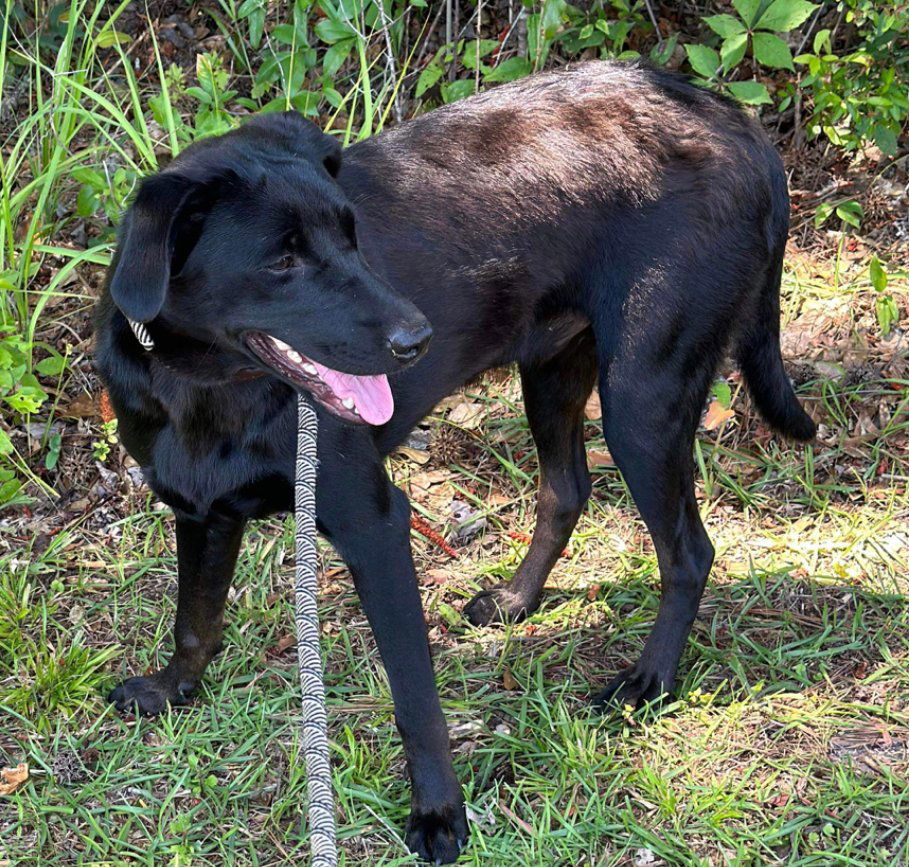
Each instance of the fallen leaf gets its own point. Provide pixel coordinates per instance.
(865, 427)
(716, 415)
(447, 403)
(467, 414)
(433, 477)
(436, 576)
(284, 643)
(83, 406)
(12, 778)
(484, 818)
(508, 680)
(780, 800)
(466, 521)
(600, 458)
(516, 819)
(592, 409)
(419, 456)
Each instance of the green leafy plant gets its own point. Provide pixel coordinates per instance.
(105, 192)
(24, 395)
(861, 95)
(19, 387)
(885, 306)
(211, 96)
(101, 447)
(756, 26)
(848, 210)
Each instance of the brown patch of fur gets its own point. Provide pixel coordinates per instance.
(496, 137)
(534, 152)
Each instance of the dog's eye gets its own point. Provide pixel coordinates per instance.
(285, 263)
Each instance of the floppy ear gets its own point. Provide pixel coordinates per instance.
(142, 268)
(302, 137)
(331, 154)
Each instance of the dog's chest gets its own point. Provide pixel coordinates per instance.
(218, 453)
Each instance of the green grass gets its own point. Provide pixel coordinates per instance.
(789, 742)
(802, 643)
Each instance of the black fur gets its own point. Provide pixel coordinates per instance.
(609, 221)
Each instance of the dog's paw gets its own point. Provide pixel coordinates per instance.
(636, 686)
(497, 605)
(438, 835)
(150, 695)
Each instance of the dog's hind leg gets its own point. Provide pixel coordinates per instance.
(207, 552)
(555, 391)
(652, 399)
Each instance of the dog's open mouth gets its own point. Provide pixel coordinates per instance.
(354, 398)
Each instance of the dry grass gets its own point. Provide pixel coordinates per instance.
(788, 743)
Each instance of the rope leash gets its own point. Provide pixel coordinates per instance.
(323, 843)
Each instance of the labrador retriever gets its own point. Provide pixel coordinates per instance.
(608, 223)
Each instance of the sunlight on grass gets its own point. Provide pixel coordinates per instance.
(789, 739)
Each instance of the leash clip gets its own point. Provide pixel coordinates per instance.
(142, 335)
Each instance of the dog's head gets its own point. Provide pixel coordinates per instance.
(247, 244)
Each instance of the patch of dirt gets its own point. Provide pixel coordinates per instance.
(872, 750)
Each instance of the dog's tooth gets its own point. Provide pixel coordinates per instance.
(310, 368)
(294, 356)
(280, 344)
(348, 403)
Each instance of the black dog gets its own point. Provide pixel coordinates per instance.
(610, 220)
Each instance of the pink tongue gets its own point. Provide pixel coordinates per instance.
(371, 394)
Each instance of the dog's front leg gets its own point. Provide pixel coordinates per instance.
(368, 521)
(206, 555)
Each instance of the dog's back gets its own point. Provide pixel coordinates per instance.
(601, 133)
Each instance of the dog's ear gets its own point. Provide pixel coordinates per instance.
(142, 270)
(302, 137)
(331, 154)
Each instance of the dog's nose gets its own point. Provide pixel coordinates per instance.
(408, 343)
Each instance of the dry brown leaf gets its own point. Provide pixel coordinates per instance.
(285, 642)
(716, 415)
(516, 819)
(447, 403)
(467, 414)
(433, 477)
(508, 680)
(437, 576)
(83, 406)
(592, 409)
(419, 456)
(600, 458)
(12, 778)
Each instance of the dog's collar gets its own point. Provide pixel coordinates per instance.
(144, 338)
(142, 335)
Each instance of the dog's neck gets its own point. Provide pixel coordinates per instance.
(188, 357)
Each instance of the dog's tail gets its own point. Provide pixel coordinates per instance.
(758, 354)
